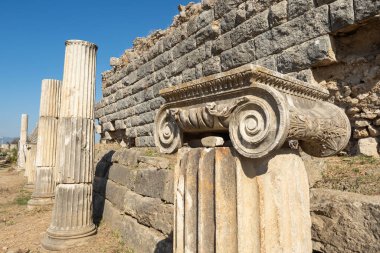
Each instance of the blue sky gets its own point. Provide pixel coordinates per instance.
(32, 44)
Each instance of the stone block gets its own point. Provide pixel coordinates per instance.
(237, 56)
(155, 183)
(211, 66)
(123, 175)
(299, 7)
(312, 24)
(368, 147)
(341, 14)
(126, 157)
(158, 162)
(163, 60)
(278, 14)
(205, 18)
(317, 52)
(365, 9)
(228, 21)
(210, 32)
(145, 141)
(139, 238)
(116, 193)
(344, 222)
(195, 57)
(250, 28)
(188, 75)
(222, 43)
(184, 47)
(150, 212)
(267, 62)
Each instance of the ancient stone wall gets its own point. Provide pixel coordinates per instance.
(134, 195)
(335, 44)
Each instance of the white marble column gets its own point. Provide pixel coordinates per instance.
(43, 194)
(72, 214)
(228, 203)
(30, 164)
(22, 142)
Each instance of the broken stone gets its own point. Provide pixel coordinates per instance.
(212, 141)
(373, 131)
(368, 147)
(360, 133)
(362, 123)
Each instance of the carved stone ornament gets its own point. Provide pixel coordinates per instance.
(258, 107)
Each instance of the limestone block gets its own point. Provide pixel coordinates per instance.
(299, 7)
(222, 43)
(155, 183)
(250, 28)
(158, 162)
(123, 175)
(312, 24)
(255, 210)
(365, 9)
(368, 147)
(76, 155)
(138, 237)
(237, 56)
(317, 52)
(278, 14)
(341, 14)
(345, 222)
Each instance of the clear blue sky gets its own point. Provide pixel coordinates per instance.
(32, 44)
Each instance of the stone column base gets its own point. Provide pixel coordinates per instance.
(228, 203)
(62, 242)
(36, 202)
(72, 217)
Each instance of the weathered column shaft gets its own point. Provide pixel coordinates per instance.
(47, 143)
(22, 142)
(228, 203)
(72, 214)
(30, 166)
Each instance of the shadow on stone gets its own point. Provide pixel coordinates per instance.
(165, 246)
(100, 186)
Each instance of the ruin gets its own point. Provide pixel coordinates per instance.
(72, 221)
(30, 163)
(237, 90)
(256, 209)
(21, 158)
(332, 47)
(43, 194)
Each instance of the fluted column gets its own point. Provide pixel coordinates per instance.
(22, 142)
(72, 215)
(43, 194)
(228, 203)
(30, 166)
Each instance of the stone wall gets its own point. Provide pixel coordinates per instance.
(335, 44)
(134, 195)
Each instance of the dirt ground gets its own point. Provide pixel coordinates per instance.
(21, 230)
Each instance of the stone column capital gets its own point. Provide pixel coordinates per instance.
(259, 108)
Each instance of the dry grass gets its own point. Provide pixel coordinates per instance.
(358, 174)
